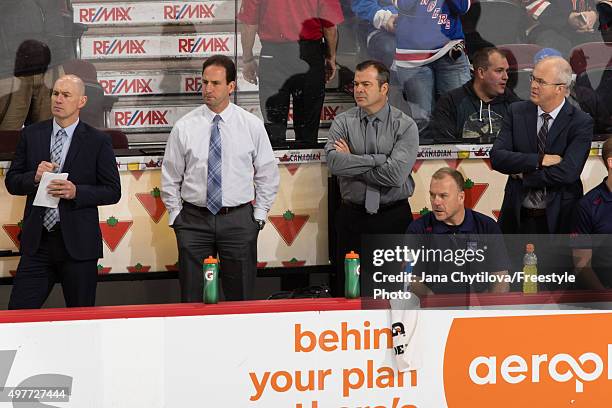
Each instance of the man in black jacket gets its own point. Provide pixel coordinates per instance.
(543, 147)
(62, 244)
(475, 111)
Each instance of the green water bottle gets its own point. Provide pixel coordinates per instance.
(530, 270)
(211, 280)
(351, 275)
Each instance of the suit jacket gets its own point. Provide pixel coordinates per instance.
(515, 151)
(91, 166)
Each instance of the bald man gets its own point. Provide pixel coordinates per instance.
(543, 146)
(64, 243)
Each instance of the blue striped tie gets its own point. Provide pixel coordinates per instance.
(214, 192)
(51, 216)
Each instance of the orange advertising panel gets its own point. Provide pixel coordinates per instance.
(529, 361)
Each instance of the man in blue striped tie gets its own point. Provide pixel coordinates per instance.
(218, 160)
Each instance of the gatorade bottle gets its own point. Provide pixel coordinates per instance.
(351, 275)
(211, 280)
(530, 269)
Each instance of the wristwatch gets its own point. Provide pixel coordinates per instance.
(260, 224)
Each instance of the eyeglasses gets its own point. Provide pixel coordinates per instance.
(542, 82)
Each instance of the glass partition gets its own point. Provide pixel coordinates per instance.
(141, 60)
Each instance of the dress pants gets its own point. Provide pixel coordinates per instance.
(231, 235)
(352, 222)
(36, 275)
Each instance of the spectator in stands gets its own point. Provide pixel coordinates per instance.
(475, 111)
(581, 92)
(298, 56)
(543, 146)
(63, 243)
(561, 24)
(430, 55)
(449, 217)
(36, 37)
(379, 31)
(594, 260)
(371, 149)
(218, 160)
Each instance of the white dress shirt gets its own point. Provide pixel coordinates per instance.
(69, 132)
(249, 168)
(553, 115)
(65, 147)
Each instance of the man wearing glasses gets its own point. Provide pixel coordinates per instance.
(543, 146)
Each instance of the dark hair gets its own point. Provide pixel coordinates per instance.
(222, 61)
(383, 71)
(447, 171)
(606, 150)
(480, 59)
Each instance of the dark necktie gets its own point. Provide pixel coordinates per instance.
(51, 216)
(214, 192)
(543, 133)
(372, 197)
(538, 196)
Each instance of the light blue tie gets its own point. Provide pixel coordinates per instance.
(214, 192)
(51, 216)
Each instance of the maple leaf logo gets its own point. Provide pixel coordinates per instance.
(112, 222)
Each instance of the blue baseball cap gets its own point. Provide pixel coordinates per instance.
(545, 53)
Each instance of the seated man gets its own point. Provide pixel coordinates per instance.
(593, 255)
(476, 110)
(448, 218)
(563, 24)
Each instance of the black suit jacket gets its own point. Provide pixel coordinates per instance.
(515, 151)
(91, 166)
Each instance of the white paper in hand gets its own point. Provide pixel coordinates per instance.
(43, 198)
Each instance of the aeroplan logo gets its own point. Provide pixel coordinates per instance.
(529, 361)
(560, 367)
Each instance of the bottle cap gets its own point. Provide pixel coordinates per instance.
(352, 255)
(530, 248)
(211, 260)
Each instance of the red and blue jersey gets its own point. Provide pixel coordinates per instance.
(427, 29)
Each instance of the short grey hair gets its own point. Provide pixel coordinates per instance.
(563, 70)
(77, 81)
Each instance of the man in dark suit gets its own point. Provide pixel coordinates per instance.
(62, 244)
(543, 146)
